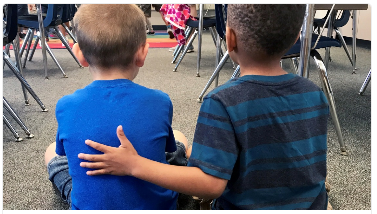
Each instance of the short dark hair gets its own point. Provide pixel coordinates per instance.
(267, 28)
(109, 35)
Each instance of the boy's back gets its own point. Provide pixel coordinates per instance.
(93, 113)
(268, 134)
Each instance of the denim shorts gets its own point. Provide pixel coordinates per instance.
(58, 173)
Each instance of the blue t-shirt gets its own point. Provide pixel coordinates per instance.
(267, 135)
(94, 113)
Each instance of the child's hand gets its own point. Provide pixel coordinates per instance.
(114, 161)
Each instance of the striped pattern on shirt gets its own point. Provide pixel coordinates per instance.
(267, 135)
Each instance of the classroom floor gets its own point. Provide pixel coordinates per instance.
(25, 182)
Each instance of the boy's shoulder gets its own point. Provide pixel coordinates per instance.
(85, 93)
(254, 87)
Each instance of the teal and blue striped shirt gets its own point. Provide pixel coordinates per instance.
(267, 135)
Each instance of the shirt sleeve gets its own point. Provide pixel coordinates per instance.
(59, 142)
(215, 149)
(59, 145)
(170, 142)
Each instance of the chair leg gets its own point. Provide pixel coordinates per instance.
(215, 73)
(330, 98)
(14, 69)
(28, 47)
(213, 34)
(34, 47)
(7, 46)
(295, 63)
(186, 48)
(177, 47)
(365, 83)
(28, 34)
(340, 36)
(178, 50)
(17, 118)
(15, 134)
(65, 42)
(16, 49)
(69, 32)
(236, 73)
(54, 59)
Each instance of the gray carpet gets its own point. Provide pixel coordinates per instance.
(25, 182)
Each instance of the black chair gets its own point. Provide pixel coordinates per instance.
(68, 13)
(208, 22)
(341, 19)
(11, 35)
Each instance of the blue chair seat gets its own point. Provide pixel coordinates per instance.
(323, 42)
(207, 22)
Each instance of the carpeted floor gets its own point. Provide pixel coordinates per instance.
(25, 182)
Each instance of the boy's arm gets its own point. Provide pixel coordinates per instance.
(125, 161)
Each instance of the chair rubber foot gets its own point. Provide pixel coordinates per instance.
(344, 153)
(27, 104)
(199, 100)
(197, 75)
(19, 139)
(30, 136)
(65, 76)
(45, 110)
(174, 70)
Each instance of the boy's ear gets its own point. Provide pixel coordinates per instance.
(141, 54)
(230, 36)
(78, 53)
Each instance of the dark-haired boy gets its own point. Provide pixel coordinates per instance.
(112, 43)
(260, 140)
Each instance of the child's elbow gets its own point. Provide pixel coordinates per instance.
(216, 189)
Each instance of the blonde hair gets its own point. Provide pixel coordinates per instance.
(109, 35)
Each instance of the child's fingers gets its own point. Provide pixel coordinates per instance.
(92, 165)
(97, 146)
(92, 158)
(97, 172)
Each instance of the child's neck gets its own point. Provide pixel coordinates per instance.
(112, 73)
(262, 69)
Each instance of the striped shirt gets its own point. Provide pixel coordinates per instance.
(267, 135)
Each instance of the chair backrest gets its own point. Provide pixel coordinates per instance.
(68, 12)
(52, 18)
(339, 22)
(11, 27)
(221, 19)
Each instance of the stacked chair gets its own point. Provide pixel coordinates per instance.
(56, 15)
(11, 36)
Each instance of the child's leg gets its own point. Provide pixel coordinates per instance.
(179, 136)
(50, 153)
(193, 11)
(57, 168)
(149, 25)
